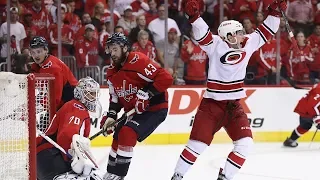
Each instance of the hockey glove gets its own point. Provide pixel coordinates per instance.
(275, 8)
(142, 102)
(107, 119)
(316, 121)
(191, 9)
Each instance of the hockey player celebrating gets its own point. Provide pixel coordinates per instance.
(70, 127)
(308, 109)
(45, 63)
(135, 82)
(228, 54)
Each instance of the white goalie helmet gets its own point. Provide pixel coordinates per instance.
(229, 28)
(87, 92)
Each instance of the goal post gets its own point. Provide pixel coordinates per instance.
(26, 102)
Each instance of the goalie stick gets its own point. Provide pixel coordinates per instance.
(123, 117)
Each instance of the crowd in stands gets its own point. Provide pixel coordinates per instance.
(86, 25)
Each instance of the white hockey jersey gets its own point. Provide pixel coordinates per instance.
(227, 66)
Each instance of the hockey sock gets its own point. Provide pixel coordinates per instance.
(296, 133)
(127, 140)
(111, 168)
(189, 155)
(237, 157)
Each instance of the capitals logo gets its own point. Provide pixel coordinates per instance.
(233, 57)
(126, 93)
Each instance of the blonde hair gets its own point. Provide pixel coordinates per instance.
(142, 33)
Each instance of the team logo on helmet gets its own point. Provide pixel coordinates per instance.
(233, 57)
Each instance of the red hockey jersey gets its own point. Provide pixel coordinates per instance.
(66, 36)
(195, 62)
(73, 21)
(87, 52)
(309, 105)
(41, 20)
(298, 68)
(138, 72)
(314, 42)
(64, 79)
(150, 50)
(72, 118)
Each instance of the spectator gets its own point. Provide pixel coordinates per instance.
(30, 28)
(66, 36)
(90, 5)
(146, 47)
(98, 13)
(139, 7)
(121, 5)
(17, 33)
(40, 18)
(314, 66)
(153, 11)
(227, 12)
(157, 26)
(86, 19)
(259, 18)
(87, 48)
(116, 16)
(268, 61)
(195, 62)
(141, 25)
(105, 33)
(17, 4)
(71, 18)
(172, 63)
(120, 29)
(300, 15)
(19, 63)
(247, 25)
(299, 70)
(52, 12)
(128, 20)
(245, 9)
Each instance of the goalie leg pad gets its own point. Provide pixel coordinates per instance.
(127, 140)
(50, 163)
(82, 161)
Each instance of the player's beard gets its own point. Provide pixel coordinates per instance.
(120, 61)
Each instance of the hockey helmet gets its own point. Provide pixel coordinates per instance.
(87, 92)
(229, 28)
(37, 42)
(118, 38)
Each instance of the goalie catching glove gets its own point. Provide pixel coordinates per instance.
(83, 161)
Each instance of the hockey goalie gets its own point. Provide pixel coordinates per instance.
(70, 128)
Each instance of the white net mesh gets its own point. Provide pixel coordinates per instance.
(14, 130)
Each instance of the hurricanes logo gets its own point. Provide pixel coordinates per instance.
(233, 57)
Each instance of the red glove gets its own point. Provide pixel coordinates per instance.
(142, 102)
(274, 8)
(107, 119)
(191, 9)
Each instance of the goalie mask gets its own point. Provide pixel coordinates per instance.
(87, 92)
(229, 30)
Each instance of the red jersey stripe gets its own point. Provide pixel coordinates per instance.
(227, 87)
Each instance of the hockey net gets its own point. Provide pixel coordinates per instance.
(26, 103)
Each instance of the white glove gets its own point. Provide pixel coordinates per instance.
(316, 120)
(83, 161)
(107, 119)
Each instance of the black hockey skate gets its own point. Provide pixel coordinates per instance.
(290, 143)
(221, 176)
(177, 176)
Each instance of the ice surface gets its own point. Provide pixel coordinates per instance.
(268, 161)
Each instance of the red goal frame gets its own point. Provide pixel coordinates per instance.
(32, 81)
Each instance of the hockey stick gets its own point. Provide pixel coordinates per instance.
(42, 134)
(314, 135)
(123, 117)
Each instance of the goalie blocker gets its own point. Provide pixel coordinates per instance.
(69, 128)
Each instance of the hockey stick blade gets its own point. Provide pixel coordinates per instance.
(293, 84)
(131, 112)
